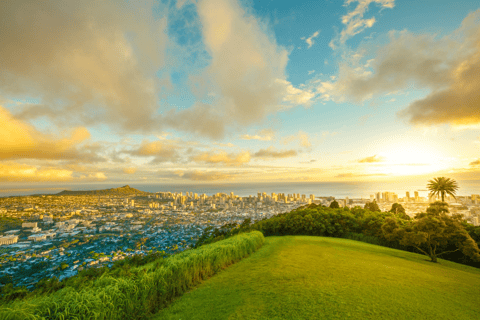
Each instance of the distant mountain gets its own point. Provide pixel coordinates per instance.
(125, 190)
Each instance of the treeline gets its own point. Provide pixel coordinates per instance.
(139, 293)
(448, 237)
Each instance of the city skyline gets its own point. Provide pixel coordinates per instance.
(222, 91)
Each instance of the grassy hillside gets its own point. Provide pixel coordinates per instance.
(139, 292)
(302, 277)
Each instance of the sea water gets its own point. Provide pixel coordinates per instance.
(319, 189)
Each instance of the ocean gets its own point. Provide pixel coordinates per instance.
(319, 189)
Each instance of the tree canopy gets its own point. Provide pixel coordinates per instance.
(334, 204)
(442, 186)
(372, 206)
(399, 211)
(433, 233)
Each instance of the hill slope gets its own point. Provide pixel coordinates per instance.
(328, 278)
(114, 191)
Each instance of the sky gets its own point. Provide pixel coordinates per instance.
(186, 91)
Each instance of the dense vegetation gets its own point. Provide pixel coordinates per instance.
(127, 267)
(9, 223)
(138, 292)
(459, 243)
(304, 277)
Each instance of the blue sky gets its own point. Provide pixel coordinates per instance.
(228, 90)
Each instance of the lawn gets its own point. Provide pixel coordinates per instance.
(328, 278)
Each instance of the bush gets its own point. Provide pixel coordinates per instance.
(148, 289)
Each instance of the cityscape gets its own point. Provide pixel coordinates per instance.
(59, 235)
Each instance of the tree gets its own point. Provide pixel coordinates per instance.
(433, 234)
(441, 186)
(334, 204)
(397, 208)
(372, 206)
(399, 211)
(438, 207)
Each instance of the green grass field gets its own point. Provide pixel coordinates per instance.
(328, 278)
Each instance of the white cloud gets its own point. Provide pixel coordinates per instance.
(262, 135)
(449, 67)
(302, 138)
(246, 61)
(355, 22)
(310, 41)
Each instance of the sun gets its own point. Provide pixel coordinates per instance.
(410, 158)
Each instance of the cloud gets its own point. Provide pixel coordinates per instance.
(296, 96)
(245, 61)
(262, 135)
(371, 159)
(197, 175)
(310, 41)
(354, 21)
(223, 158)
(475, 163)
(201, 119)
(272, 153)
(20, 140)
(449, 67)
(75, 58)
(161, 150)
(301, 137)
(129, 170)
(13, 172)
(17, 172)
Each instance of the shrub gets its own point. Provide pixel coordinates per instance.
(149, 288)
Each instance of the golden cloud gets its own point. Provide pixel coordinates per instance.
(272, 153)
(223, 157)
(475, 163)
(262, 135)
(161, 150)
(129, 170)
(197, 175)
(371, 159)
(21, 140)
(14, 172)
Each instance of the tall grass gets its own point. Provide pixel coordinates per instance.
(152, 287)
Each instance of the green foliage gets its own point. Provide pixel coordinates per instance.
(9, 223)
(437, 207)
(433, 234)
(442, 186)
(334, 204)
(372, 206)
(399, 210)
(143, 291)
(211, 234)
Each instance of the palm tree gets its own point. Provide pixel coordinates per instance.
(442, 186)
